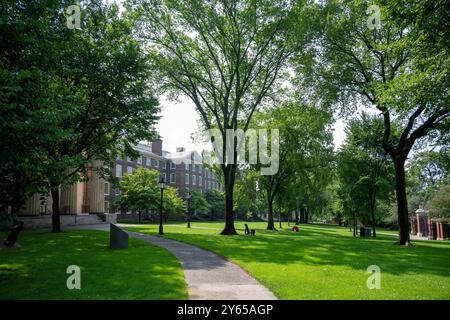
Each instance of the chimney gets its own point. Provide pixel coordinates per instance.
(157, 146)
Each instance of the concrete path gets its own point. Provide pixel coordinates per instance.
(208, 276)
(411, 236)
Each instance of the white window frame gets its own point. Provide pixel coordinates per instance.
(174, 180)
(107, 188)
(119, 172)
(186, 178)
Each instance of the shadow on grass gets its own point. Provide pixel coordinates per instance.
(316, 245)
(38, 269)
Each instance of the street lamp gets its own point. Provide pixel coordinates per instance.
(161, 186)
(188, 198)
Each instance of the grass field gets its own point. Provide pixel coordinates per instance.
(325, 262)
(37, 270)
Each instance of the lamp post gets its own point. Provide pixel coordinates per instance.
(161, 186)
(188, 198)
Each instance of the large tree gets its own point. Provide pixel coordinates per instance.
(226, 56)
(95, 96)
(364, 168)
(393, 67)
(305, 144)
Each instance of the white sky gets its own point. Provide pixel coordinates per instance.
(179, 121)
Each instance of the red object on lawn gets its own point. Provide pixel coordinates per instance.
(295, 229)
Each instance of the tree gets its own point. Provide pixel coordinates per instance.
(95, 97)
(226, 56)
(426, 172)
(24, 127)
(199, 203)
(139, 191)
(440, 203)
(216, 200)
(364, 169)
(393, 67)
(173, 203)
(305, 144)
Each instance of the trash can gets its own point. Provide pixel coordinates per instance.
(362, 232)
(368, 232)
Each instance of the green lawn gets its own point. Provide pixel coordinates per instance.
(325, 262)
(37, 270)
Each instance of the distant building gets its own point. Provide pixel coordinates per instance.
(181, 169)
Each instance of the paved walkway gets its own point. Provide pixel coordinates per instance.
(208, 276)
(411, 236)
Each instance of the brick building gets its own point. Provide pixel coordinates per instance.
(182, 169)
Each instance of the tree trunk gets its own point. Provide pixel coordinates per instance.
(229, 186)
(372, 214)
(279, 218)
(56, 223)
(402, 205)
(139, 216)
(306, 215)
(270, 224)
(296, 217)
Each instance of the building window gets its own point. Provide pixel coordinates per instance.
(206, 173)
(118, 170)
(164, 164)
(157, 163)
(106, 188)
(165, 177)
(130, 170)
(200, 181)
(194, 180)
(209, 184)
(198, 168)
(172, 178)
(139, 160)
(172, 165)
(186, 178)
